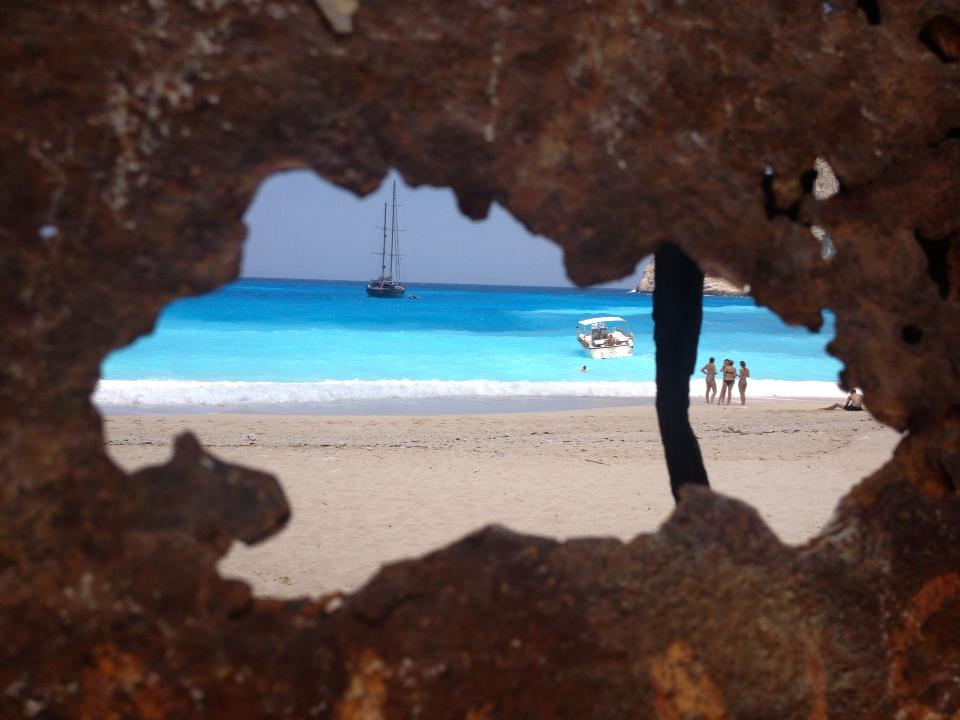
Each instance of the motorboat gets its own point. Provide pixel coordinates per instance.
(605, 337)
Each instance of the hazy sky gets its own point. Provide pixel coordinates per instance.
(304, 227)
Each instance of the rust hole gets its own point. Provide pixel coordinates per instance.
(911, 334)
(772, 206)
(941, 35)
(871, 9)
(937, 252)
(826, 182)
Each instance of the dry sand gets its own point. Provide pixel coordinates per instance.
(370, 490)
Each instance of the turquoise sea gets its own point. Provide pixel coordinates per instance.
(319, 346)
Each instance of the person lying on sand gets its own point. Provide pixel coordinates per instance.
(854, 402)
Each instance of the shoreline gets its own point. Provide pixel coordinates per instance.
(326, 398)
(393, 407)
(426, 407)
(367, 490)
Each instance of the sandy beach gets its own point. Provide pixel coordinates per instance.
(368, 490)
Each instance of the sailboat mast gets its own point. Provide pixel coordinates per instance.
(383, 251)
(394, 238)
(389, 285)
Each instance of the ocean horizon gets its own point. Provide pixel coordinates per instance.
(320, 346)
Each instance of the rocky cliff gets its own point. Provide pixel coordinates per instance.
(711, 285)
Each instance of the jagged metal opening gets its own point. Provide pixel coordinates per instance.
(335, 521)
(327, 234)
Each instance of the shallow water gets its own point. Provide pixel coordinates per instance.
(266, 342)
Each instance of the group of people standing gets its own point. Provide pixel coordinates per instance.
(729, 377)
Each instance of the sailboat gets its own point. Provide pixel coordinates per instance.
(389, 285)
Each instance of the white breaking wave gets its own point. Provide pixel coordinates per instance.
(128, 393)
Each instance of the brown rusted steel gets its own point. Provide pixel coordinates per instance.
(134, 136)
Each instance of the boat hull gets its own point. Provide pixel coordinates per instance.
(386, 290)
(602, 353)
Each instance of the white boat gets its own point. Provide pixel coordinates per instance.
(605, 337)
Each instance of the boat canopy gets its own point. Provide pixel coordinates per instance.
(594, 321)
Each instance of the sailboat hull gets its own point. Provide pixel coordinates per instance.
(386, 290)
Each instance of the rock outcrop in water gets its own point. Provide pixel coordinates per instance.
(136, 134)
(711, 285)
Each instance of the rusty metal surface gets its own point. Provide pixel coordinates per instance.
(134, 136)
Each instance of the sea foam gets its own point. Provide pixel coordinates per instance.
(166, 393)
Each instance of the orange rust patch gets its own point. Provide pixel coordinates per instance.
(922, 605)
(684, 691)
(366, 694)
(816, 677)
(117, 676)
(930, 599)
(482, 713)
(918, 711)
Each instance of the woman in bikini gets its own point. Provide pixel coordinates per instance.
(710, 370)
(744, 374)
(729, 375)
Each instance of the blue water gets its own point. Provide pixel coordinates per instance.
(458, 339)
